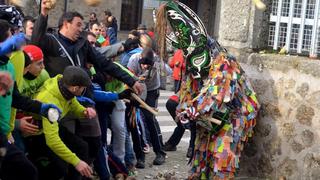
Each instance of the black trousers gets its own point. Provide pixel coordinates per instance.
(51, 166)
(178, 132)
(152, 123)
(15, 165)
(135, 135)
(177, 84)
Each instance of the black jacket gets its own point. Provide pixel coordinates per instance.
(24, 103)
(56, 60)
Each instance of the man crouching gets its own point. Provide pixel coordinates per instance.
(47, 149)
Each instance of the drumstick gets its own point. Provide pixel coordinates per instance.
(144, 105)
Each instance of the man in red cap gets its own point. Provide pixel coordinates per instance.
(34, 75)
(34, 66)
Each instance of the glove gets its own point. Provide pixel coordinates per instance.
(12, 44)
(45, 108)
(85, 100)
(103, 96)
(130, 44)
(96, 86)
(126, 94)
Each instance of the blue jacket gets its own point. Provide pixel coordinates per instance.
(126, 56)
(112, 35)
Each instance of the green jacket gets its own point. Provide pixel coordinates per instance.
(115, 85)
(31, 87)
(5, 102)
(50, 93)
(17, 59)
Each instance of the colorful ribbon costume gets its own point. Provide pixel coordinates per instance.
(214, 87)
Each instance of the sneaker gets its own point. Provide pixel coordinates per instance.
(169, 147)
(160, 159)
(140, 164)
(190, 152)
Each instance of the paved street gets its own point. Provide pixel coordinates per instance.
(176, 163)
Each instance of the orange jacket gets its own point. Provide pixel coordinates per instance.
(177, 63)
(106, 42)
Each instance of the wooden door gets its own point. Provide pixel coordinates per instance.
(193, 4)
(131, 11)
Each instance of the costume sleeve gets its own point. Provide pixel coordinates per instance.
(53, 141)
(106, 65)
(24, 103)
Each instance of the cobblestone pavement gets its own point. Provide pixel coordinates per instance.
(176, 162)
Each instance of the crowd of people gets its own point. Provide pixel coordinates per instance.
(61, 90)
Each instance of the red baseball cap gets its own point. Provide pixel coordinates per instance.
(32, 53)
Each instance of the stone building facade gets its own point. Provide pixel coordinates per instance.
(233, 23)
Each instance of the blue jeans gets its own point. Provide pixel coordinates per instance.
(118, 128)
(100, 163)
(130, 159)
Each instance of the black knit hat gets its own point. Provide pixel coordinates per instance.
(147, 57)
(76, 76)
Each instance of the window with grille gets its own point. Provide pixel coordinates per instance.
(294, 37)
(310, 9)
(272, 28)
(285, 8)
(297, 8)
(282, 34)
(295, 25)
(274, 7)
(307, 37)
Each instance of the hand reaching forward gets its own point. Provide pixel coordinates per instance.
(138, 88)
(84, 169)
(90, 113)
(26, 127)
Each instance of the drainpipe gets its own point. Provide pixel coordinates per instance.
(65, 5)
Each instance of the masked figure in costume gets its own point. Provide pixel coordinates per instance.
(215, 93)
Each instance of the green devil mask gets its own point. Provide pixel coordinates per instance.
(189, 34)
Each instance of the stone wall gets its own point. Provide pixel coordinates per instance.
(147, 17)
(240, 25)
(288, 129)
